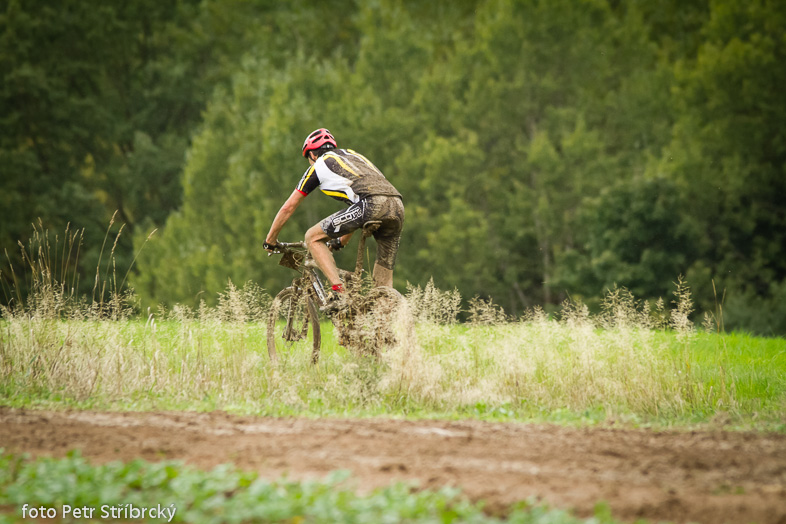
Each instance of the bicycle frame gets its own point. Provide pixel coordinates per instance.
(307, 266)
(308, 290)
(304, 264)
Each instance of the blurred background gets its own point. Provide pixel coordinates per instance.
(546, 149)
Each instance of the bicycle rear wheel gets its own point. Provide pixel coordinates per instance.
(382, 321)
(291, 315)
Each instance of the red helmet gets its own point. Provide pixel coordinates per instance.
(317, 140)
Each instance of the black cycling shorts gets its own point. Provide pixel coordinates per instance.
(387, 209)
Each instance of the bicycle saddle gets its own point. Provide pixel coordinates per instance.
(371, 226)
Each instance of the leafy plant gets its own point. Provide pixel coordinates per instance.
(229, 495)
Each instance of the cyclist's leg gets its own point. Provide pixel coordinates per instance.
(382, 276)
(335, 226)
(390, 210)
(315, 239)
(387, 249)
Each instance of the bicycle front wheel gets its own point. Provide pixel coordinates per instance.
(292, 325)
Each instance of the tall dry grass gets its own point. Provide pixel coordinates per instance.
(631, 358)
(617, 360)
(179, 355)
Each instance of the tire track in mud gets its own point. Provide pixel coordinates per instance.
(697, 476)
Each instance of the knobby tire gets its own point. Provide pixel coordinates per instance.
(368, 326)
(293, 319)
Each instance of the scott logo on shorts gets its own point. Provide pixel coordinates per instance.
(352, 214)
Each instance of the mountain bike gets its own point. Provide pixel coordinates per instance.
(365, 320)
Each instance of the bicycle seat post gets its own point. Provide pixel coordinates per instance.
(368, 230)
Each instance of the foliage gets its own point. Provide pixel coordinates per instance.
(639, 237)
(96, 113)
(227, 494)
(554, 148)
(727, 150)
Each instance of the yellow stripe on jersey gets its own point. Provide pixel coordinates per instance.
(309, 174)
(355, 153)
(364, 159)
(341, 162)
(337, 194)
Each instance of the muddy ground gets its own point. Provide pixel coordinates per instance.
(701, 476)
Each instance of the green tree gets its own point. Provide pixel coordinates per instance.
(542, 147)
(636, 237)
(99, 102)
(495, 125)
(537, 91)
(96, 110)
(728, 153)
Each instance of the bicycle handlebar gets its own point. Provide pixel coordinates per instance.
(283, 247)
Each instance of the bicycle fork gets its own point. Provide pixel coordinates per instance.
(316, 283)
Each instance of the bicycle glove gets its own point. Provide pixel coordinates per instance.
(335, 244)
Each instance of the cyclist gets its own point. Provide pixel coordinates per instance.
(351, 178)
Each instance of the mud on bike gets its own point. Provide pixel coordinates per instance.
(364, 321)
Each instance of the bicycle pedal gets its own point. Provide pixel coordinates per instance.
(334, 304)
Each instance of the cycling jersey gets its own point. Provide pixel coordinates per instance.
(346, 176)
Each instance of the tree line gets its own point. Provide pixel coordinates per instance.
(545, 149)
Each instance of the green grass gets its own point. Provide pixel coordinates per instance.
(535, 370)
(227, 494)
(628, 365)
(746, 374)
(632, 363)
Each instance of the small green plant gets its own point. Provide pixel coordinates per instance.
(71, 489)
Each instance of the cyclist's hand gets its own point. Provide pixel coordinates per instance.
(271, 248)
(335, 244)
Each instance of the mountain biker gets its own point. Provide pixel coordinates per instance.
(351, 178)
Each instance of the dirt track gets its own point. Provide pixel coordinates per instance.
(710, 477)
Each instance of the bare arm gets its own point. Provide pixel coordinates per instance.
(286, 211)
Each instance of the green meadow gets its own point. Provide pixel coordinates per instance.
(632, 364)
(629, 364)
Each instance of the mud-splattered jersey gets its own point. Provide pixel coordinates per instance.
(346, 176)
